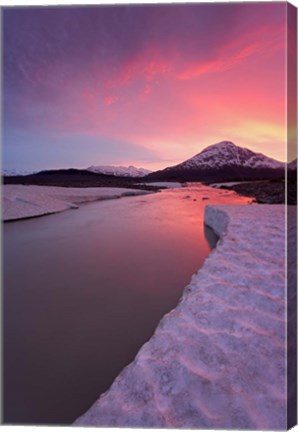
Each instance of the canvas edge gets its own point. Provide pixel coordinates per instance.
(291, 215)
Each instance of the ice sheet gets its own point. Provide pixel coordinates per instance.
(20, 201)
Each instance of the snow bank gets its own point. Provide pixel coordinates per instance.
(19, 201)
(218, 359)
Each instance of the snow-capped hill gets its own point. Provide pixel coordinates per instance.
(120, 171)
(14, 172)
(227, 154)
(222, 161)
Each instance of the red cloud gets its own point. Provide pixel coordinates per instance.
(237, 51)
(218, 65)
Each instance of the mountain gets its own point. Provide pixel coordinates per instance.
(292, 165)
(119, 171)
(223, 161)
(71, 177)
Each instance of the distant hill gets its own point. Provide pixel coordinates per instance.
(119, 171)
(15, 172)
(74, 178)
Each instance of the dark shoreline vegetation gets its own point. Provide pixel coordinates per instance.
(263, 191)
(267, 191)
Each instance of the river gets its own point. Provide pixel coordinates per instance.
(84, 289)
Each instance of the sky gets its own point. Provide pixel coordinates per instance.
(147, 85)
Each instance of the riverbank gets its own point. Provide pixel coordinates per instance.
(265, 191)
(22, 201)
(218, 359)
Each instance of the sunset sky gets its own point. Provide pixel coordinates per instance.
(144, 85)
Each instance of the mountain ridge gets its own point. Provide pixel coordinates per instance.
(119, 171)
(222, 161)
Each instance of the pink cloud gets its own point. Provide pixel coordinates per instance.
(218, 65)
(110, 99)
(234, 53)
(173, 103)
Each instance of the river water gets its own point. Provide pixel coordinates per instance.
(84, 289)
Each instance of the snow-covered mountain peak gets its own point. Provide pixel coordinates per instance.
(224, 161)
(225, 154)
(120, 171)
(222, 145)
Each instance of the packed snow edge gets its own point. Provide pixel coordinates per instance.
(21, 202)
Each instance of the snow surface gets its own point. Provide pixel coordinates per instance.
(19, 201)
(15, 172)
(227, 154)
(218, 359)
(122, 171)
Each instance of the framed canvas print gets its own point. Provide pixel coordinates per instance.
(149, 177)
